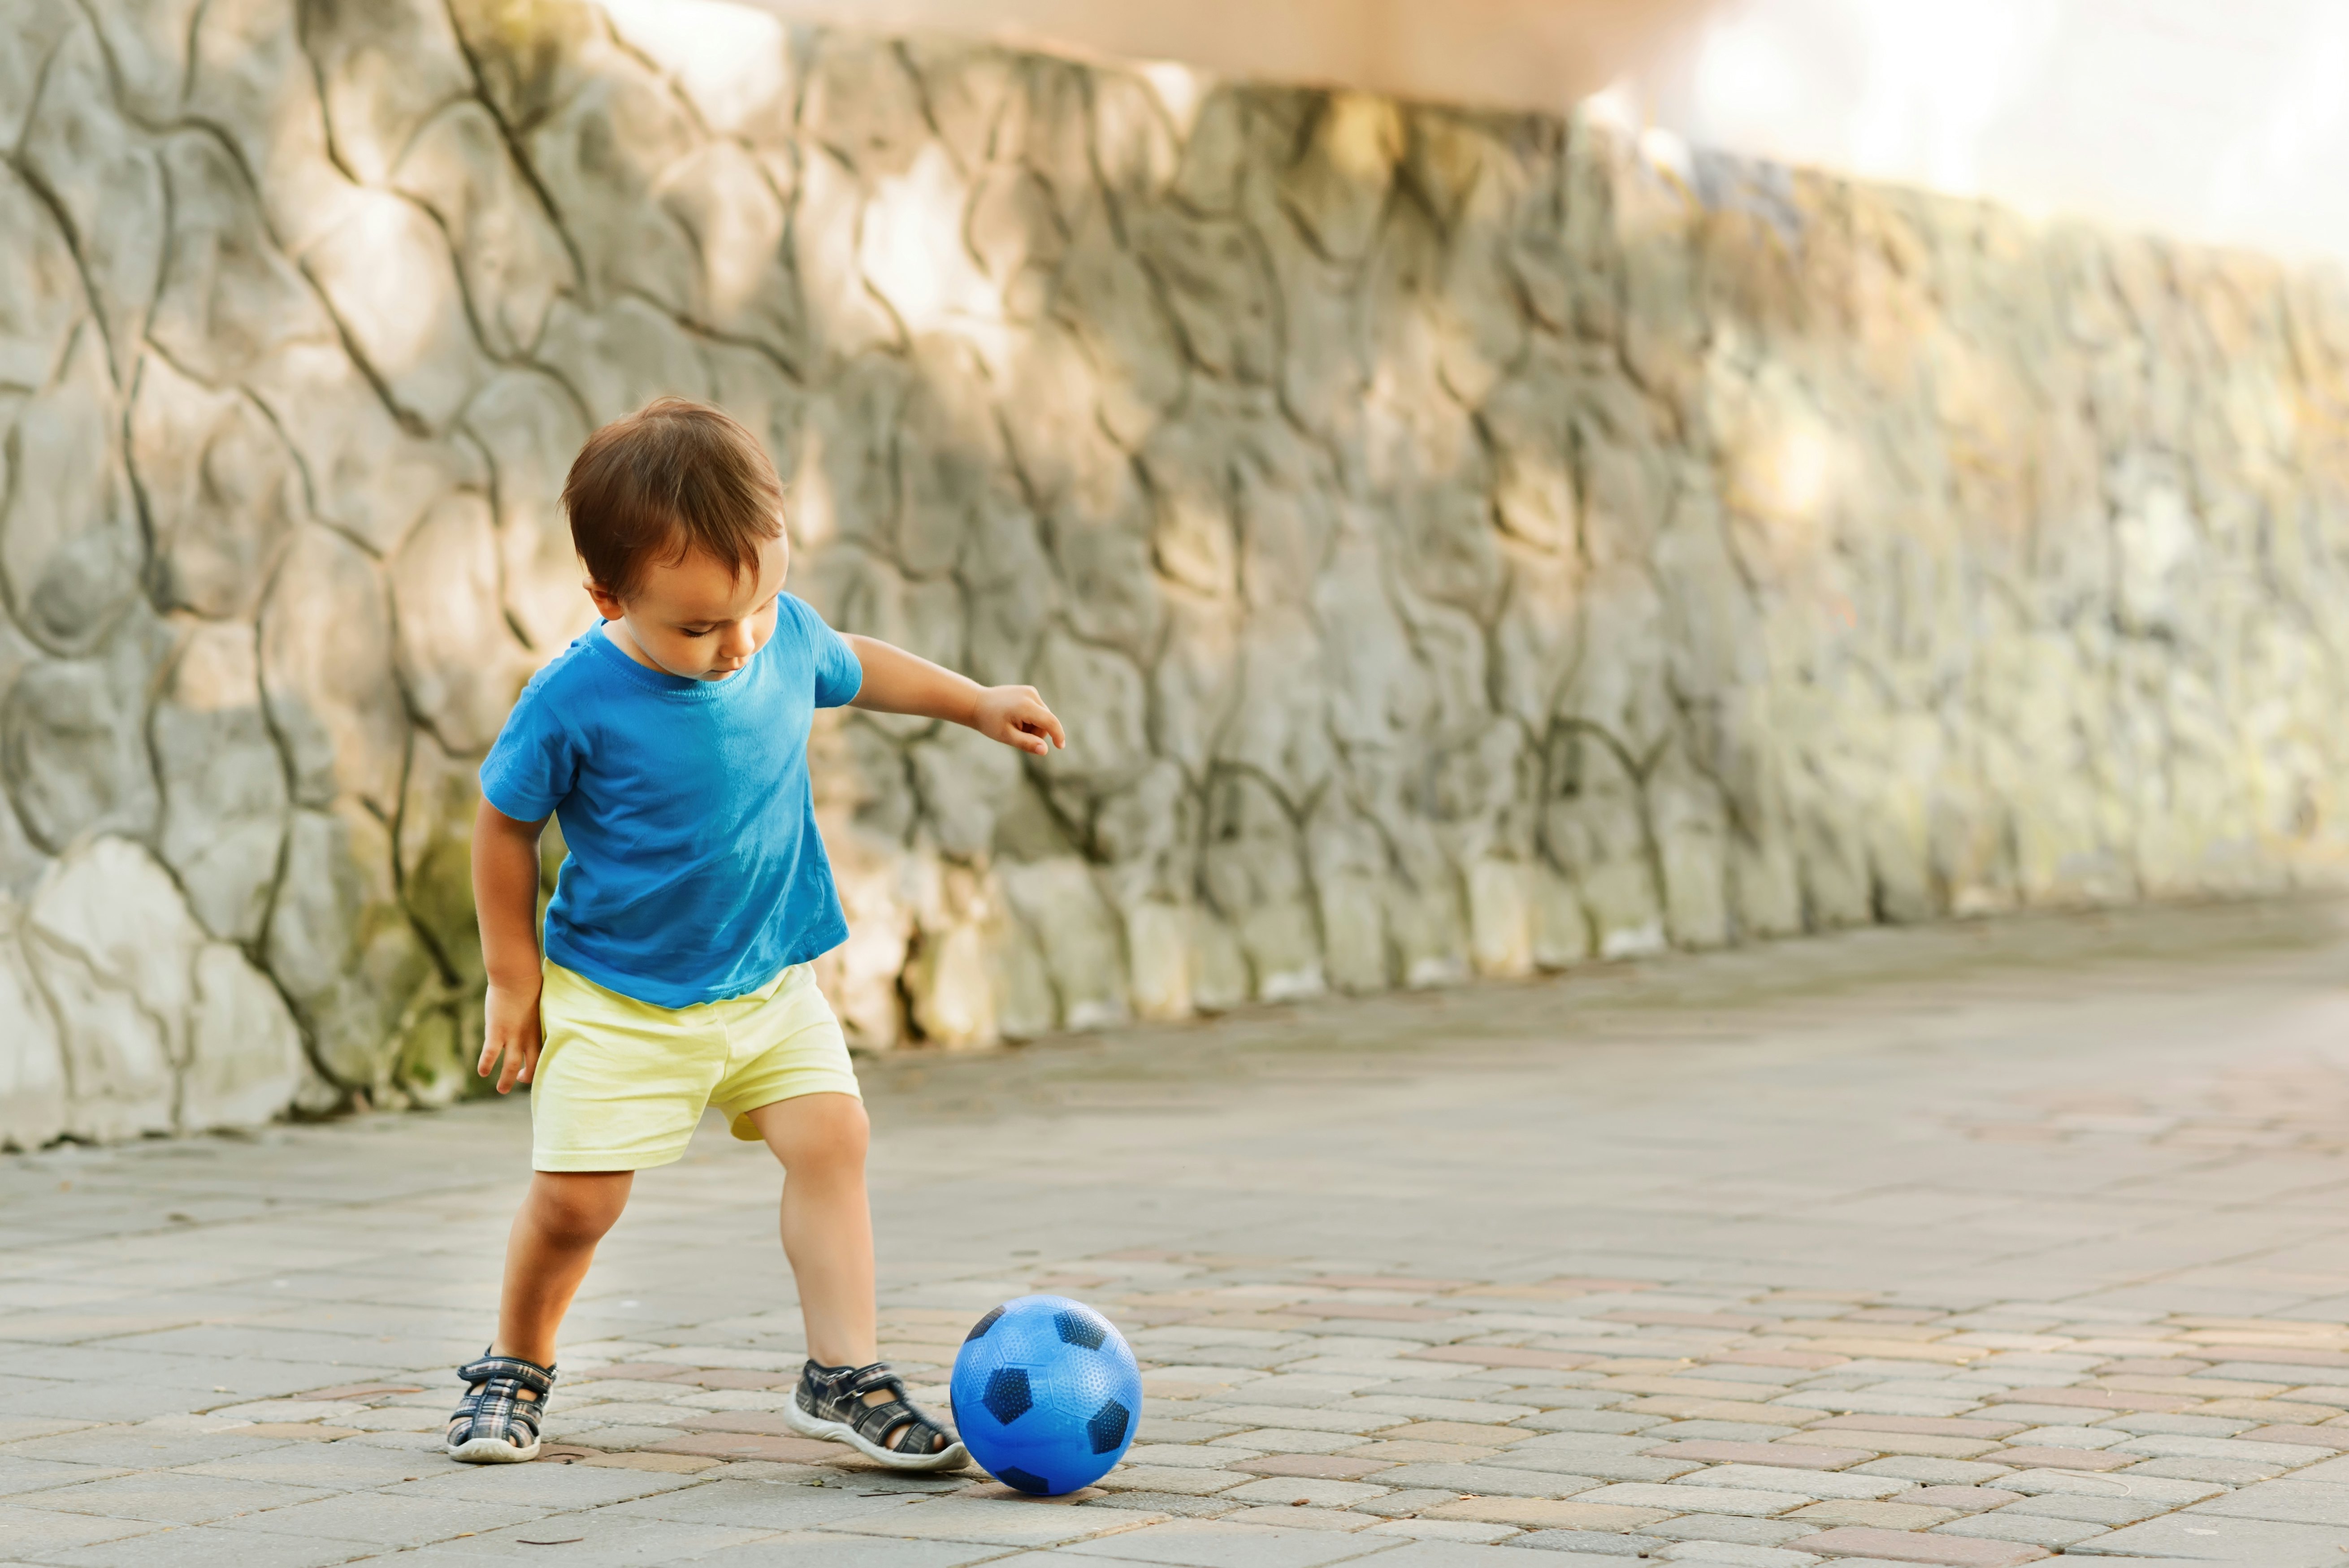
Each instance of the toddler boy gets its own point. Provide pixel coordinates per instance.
(672, 740)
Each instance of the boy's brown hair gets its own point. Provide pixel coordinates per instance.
(672, 477)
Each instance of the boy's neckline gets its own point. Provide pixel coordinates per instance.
(661, 680)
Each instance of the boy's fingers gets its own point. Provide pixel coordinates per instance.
(1042, 721)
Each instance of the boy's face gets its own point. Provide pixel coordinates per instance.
(697, 618)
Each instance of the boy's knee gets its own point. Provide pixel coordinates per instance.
(577, 1210)
(831, 1134)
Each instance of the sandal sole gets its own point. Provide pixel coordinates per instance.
(809, 1426)
(490, 1451)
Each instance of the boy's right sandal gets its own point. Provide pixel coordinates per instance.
(839, 1403)
(497, 1420)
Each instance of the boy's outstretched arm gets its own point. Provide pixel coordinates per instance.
(898, 682)
(505, 895)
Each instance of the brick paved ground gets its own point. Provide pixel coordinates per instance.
(1967, 1246)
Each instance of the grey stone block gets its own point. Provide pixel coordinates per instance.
(2290, 1502)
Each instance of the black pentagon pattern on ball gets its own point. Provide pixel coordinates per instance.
(1107, 1429)
(1081, 1329)
(978, 1330)
(1034, 1485)
(1007, 1397)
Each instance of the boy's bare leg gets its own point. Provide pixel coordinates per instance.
(827, 1223)
(566, 1213)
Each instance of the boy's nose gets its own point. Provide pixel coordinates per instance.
(736, 644)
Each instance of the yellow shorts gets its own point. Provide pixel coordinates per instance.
(621, 1084)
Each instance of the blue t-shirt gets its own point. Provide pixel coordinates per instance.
(695, 871)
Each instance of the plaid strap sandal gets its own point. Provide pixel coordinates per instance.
(497, 1420)
(867, 1407)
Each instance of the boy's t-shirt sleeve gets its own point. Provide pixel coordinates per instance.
(838, 675)
(534, 762)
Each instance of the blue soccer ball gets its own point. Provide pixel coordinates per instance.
(1046, 1394)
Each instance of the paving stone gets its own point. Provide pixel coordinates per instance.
(1316, 1493)
(1733, 1554)
(1818, 1485)
(328, 1465)
(1571, 1419)
(1328, 1467)
(1444, 1530)
(1217, 1544)
(1188, 1430)
(19, 1475)
(760, 1505)
(2069, 1437)
(1964, 1498)
(1492, 1480)
(1385, 1453)
(1896, 1546)
(2195, 1425)
(1537, 1513)
(836, 1550)
(209, 1546)
(1446, 1555)
(1787, 1455)
(2032, 1530)
(383, 1521)
(2116, 1483)
(2109, 1511)
(1933, 1473)
(1303, 1418)
(2227, 1472)
(1679, 1498)
(1902, 1515)
(35, 1531)
(1184, 1480)
(1281, 1516)
(1005, 1523)
(2290, 1502)
(2195, 1536)
(1291, 1440)
(140, 1447)
(1597, 1465)
(2037, 1401)
(1588, 1542)
(1451, 1432)
(1867, 1401)
(2035, 1457)
(2336, 1470)
(1177, 1505)
(2333, 1437)
(1409, 1501)
(1971, 1429)
(1727, 1527)
(2264, 1412)
(1478, 1415)
(1681, 1407)
(166, 1498)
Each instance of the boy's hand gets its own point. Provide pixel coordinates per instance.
(510, 1029)
(1016, 716)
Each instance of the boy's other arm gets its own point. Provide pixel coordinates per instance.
(505, 895)
(898, 682)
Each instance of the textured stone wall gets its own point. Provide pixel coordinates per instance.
(1459, 543)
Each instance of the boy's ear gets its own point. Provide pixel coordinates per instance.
(607, 603)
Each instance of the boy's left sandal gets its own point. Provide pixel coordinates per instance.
(840, 1403)
(497, 1420)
